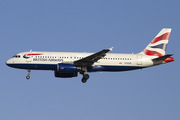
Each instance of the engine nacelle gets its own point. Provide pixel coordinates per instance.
(65, 70)
(64, 67)
(65, 74)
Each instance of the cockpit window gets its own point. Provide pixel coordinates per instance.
(16, 56)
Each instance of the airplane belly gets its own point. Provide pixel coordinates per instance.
(113, 68)
(34, 66)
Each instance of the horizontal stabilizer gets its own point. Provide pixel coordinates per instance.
(160, 60)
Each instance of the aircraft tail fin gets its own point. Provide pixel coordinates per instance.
(157, 47)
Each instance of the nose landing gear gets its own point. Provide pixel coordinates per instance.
(28, 76)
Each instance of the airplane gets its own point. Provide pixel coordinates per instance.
(69, 64)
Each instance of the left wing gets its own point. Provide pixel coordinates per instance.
(91, 59)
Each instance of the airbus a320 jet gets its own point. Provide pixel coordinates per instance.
(69, 64)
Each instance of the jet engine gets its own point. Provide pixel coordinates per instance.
(65, 74)
(65, 70)
(65, 67)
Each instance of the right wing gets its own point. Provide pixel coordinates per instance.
(91, 59)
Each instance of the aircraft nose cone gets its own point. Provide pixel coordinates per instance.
(8, 62)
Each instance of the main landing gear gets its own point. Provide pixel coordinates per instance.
(85, 75)
(28, 76)
(85, 78)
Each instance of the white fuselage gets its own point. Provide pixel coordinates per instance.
(49, 60)
(69, 64)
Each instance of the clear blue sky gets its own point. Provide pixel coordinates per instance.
(89, 26)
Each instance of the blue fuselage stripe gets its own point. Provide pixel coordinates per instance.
(90, 69)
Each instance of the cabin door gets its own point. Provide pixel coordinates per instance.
(139, 59)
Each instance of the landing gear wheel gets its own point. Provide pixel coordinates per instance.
(27, 77)
(85, 78)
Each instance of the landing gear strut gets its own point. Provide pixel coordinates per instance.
(28, 76)
(85, 75)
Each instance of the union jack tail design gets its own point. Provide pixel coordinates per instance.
(157, 47)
